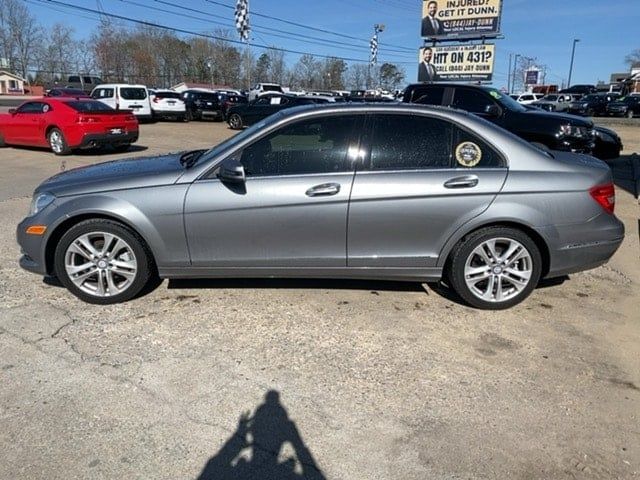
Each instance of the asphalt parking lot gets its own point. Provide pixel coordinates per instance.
(315, 379)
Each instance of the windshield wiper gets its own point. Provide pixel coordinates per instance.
(188, 159)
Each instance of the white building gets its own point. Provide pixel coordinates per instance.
(11, 84)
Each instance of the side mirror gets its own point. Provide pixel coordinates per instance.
(13, 111)
(493, 110)
(231, 171)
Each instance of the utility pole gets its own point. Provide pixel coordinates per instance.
(573, 52)
(515, 70)
(509, 75)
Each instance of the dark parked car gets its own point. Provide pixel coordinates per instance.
(240, 116)
(628, 106)
(394, 192)
(555, 131)
(67, 93)
(229, 100)
(608, 144)
(201, 105)
(592, 105)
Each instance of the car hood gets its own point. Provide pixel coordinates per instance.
(116, 175)
(562, 118)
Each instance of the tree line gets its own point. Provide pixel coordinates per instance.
(159, 58)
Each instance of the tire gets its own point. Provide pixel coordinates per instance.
(471, 276)
(104, 283)
(2, 144)
(591, 112)
(629, 114)
(235, 121)
(189, 116)
(183, 118)
(57, 142)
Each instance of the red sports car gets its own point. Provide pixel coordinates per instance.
(64, 124)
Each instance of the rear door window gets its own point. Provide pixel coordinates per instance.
(133, 93)
(410, 142)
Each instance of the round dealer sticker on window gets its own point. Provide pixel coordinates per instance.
(45, 108)
(468, 154)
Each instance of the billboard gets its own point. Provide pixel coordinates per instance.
(456, 63)
(460, 18)
(531, 77)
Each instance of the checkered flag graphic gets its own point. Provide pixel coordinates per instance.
(374, 49)
(242, 19)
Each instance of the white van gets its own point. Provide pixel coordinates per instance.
(122, 96)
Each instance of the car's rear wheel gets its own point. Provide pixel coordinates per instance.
(2, 143)
(235, 121)
(103, 262)
(57, 142)
(591, 112)
(495, 268)
(629, 113)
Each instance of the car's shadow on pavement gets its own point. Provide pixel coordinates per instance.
(90, 152)
(266, 445)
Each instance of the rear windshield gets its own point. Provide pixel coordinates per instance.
(271, 88)
(167, 95)
(84, 106)
(208, 96)
(129, 93)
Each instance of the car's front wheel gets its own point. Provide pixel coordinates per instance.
(629, 113)
(103, 262)
(57, 142)
(235, 121)
(495, 268)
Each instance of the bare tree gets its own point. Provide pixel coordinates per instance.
(357, 76)
(633, 59)
(19, 35)
(277, 66)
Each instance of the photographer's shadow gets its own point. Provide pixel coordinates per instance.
(264, 446)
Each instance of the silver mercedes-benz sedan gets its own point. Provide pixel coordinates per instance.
(394, 192)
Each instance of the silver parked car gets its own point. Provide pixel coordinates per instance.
(378, 191)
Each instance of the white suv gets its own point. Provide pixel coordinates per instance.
(168, 104)
(527, 98)
(263, 88)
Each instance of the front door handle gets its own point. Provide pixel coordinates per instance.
(468, 181)
(324, 190)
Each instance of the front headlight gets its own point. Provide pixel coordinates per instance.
(40, 201)
(572, 131)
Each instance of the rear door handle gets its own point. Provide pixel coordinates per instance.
(468, 181)
(324, 190)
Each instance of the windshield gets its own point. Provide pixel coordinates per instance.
(551, 98)
(589, 98)
(505, 100)
(271, 88)
(629, 100)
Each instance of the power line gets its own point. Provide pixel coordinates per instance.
(190, 32)
(267, 30)
(309, 27)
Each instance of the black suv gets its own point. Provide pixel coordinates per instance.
(580, 89)
(593, 104)
(628, 106)
(555, 131)
(201, 105)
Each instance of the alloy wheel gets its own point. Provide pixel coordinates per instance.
(498, 269)
(56, 141)
(100, 264)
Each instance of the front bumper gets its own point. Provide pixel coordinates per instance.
(32, 248)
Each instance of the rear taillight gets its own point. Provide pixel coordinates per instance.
(605, 195)
(156, 99)
(86, 119)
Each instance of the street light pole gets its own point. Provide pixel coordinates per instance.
(515, 69)
(573, 52)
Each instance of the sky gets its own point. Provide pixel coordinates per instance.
(543, 29)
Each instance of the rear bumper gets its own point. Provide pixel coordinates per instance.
(96, 139)
(578, 247)
(169, 113)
